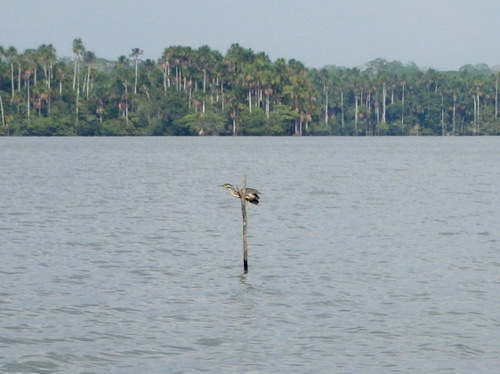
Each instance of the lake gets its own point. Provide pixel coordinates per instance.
(366, 255)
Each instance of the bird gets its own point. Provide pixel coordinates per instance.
(252, 195)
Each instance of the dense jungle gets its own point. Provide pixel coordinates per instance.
(201, 91)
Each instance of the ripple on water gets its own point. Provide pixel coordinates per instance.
(379, 263)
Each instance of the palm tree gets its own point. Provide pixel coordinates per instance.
(78, 50)
(89, 59)
(248, 78)
(205, 60)
(324, 78)
(47, 56)
(268, 79)
(164, 63)
(60, 71)
(27, 75)
(178, 57)
(136, 52)
(122, 69)
(11, 56)
(295, 92)
(30, 59)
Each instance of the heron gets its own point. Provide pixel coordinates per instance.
(251, 195)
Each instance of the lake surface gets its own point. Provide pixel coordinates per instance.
(366, 255)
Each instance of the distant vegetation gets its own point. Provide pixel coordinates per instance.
(203, 92)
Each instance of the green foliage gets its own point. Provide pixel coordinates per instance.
(253, 123)
(208, 123)
(44, 126)
(281, 120)
(117, 127)
(203, 92)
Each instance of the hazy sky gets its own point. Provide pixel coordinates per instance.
(443, 34)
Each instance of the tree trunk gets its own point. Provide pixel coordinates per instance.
(49, 82)
(267, 105)
(177, 77)
(223, 99)
(356, 109)
(402, 108)
(135, 82)
(478, 113)
(250, 100)
(475, 115)
(384, 94)
(28, 106)
(88, 82)
(454, 114)
(1, 110)
(326, 108)
(165, 78)
(46, 74)
(442, 116)
(12, 88)
(496, 98)
(18, 77)
(125, 113)
(342, 118)
(77, 102)
(204, 80)
(74, 74)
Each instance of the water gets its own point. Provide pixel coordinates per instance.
(367, 255)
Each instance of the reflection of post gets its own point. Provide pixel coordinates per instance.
(244, 213)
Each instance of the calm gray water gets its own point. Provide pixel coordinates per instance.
(367, 255)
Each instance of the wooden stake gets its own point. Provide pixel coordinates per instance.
(245, 223)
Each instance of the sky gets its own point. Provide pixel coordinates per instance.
(439, 34)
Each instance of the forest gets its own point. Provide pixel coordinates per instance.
(201, 91)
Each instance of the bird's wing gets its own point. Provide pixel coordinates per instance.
(252, 191)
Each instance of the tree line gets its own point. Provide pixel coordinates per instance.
(204, 92)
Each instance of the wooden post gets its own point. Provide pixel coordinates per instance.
(245, 223)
